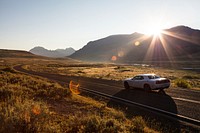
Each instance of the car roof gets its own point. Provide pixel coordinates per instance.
(146, 74)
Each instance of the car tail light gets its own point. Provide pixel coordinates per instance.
(162, 81)
(158, 82)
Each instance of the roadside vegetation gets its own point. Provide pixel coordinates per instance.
(179, 78)
(182, 83)
(34, 104)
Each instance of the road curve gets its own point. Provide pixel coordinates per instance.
(181, 102)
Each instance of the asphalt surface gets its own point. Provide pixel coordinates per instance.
(183, 102)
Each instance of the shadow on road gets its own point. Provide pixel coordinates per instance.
(152, 99)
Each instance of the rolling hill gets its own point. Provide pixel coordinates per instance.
(179, 43)
(4, 53)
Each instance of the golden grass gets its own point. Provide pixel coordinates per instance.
(33, 104)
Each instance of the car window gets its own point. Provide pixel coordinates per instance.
(153, 77)
(138, 78)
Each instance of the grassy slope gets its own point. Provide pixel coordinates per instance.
(16, 53)
(32, 104)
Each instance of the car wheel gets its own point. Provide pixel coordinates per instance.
(147, 87)
(126, 85)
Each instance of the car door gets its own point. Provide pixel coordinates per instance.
(133, 83)
(137, 81)
(140, 82)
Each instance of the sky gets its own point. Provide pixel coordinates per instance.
(55, 24)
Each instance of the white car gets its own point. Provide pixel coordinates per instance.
(147, 82)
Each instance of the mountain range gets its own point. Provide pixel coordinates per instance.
(52, 53)
(179, 43)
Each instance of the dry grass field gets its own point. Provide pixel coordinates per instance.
(35, 104)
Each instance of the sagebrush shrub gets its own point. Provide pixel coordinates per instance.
(182, 83)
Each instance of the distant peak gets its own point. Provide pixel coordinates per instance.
(39, 47)
(137, 33)
(70, 48)
(182, 27)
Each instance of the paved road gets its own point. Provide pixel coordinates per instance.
(179, 101)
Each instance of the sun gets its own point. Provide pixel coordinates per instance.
(154, 30)
(154, 26)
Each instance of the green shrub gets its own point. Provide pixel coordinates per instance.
(138, 124)
(92, 125)
(182, 83)
(5, 94)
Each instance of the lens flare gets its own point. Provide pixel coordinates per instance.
(114, 58)
(120, 54)
(137, 43)
(36, 109)
(74, 87)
